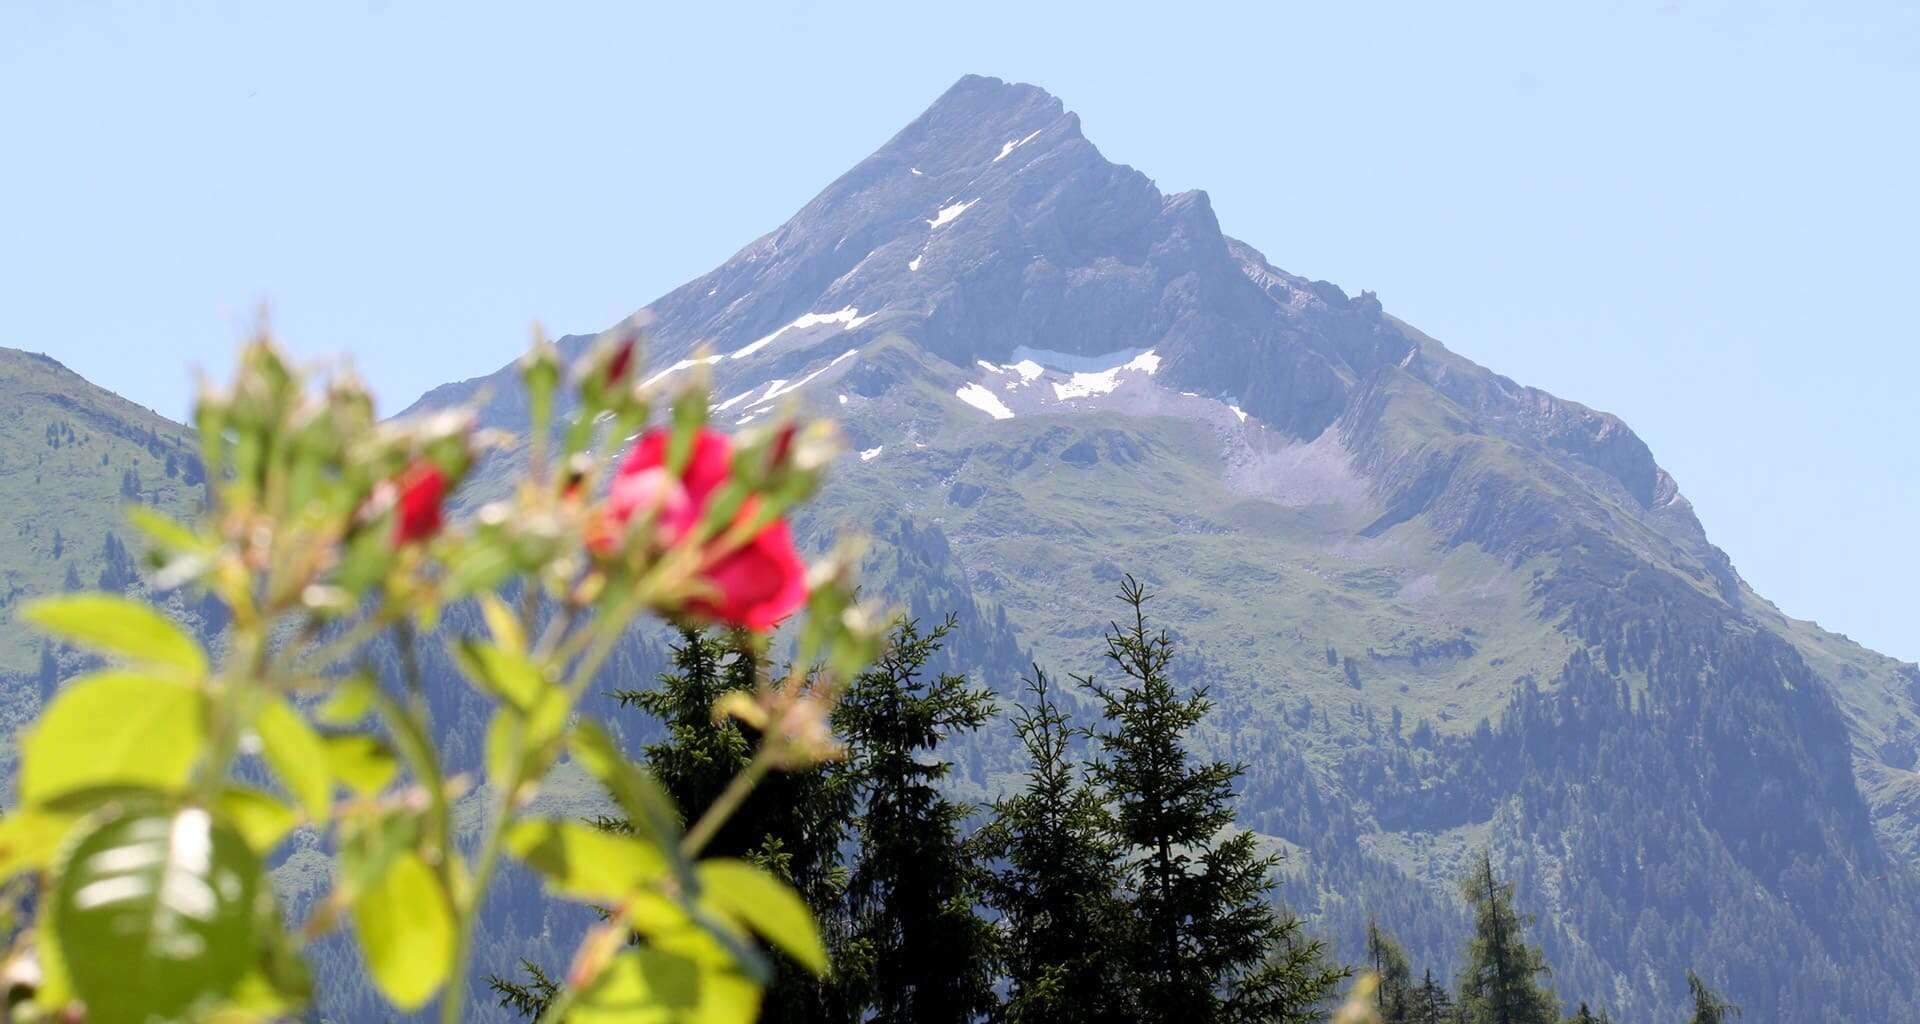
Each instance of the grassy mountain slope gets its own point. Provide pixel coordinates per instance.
(72, 457)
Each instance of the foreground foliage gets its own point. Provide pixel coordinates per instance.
(153, 792)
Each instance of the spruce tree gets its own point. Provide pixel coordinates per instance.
(1207, 946)
(1583, 1016)
(794, 822)
(1430, 1003)
(1056, 891)
(1708, 1006)
(925, 955)
(1394, 997)
(1500, 983)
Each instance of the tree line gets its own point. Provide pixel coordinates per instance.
(1111, 884)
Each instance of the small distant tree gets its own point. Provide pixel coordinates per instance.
(1430, 1003)
(1056, 893)
(1501, 982)
(1207, 945)
(1708, 1006)
(1394, 996)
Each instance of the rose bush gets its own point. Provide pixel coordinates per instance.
(144, 853)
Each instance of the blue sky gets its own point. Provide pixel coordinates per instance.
(1701, 216)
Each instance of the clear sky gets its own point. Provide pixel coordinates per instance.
(1701, 216)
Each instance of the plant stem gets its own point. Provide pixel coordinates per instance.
(557, 1009)
(346, 643)
(727, 803)
(455, 996)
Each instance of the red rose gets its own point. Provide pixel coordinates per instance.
(757, 583)
(422, 490)
(621, 362)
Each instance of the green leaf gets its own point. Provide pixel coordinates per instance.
(478, 567)
(584, 862)
(680, 985)
(260, 817)
(508, 634)
(129, 630)
(638, 794)
(297, 756)
(755, 898)
(406, 931)
(364, 763)
(539, 729)
(114, 728)
(153, 913)
(163, 531)
(350, 702)
(29, 839)
(502, 675)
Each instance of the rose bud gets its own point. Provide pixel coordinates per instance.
(421, 493)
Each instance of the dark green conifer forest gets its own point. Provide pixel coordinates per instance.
(1111, 882)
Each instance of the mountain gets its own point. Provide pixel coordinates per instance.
(1440, 609)
(73, 456)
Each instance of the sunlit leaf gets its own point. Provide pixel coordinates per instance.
(638, 794)
(350, 702)
(118, 627)
(261, 818)
(29, 839)
(538, 729)
(667, 985)
(504, 675)
(297, 756)
(113, 729)
(584, 862)
(406, 931)
(752, 896)
(154, 913)
(503, 624)
(363, 763)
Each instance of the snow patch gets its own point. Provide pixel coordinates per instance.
(871, 453)
(915, 170)
(848, 318)
(1237, 412)
(989, 367)
(1013, 145)
(843, 399)
(737, 399)
(1027, 369)
(948, 213)
(781, 387)
(985, 401)
(914, 263)
(684, 364)
(1102, 382)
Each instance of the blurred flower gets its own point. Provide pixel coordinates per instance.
(422, 491)
(756, 583)
(621, 361)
